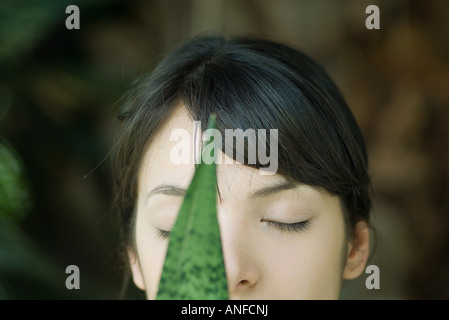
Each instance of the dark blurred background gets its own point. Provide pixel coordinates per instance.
(60, 89)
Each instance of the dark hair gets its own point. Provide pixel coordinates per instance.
(249, 83)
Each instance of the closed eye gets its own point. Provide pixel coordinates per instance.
(163, 234)
(289, 227)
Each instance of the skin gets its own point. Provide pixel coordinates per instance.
(262, 259)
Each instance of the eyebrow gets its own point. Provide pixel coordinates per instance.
(168, 190)
(176, 191)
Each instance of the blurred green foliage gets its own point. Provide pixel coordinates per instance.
(20, 263)
(14, 197)
(51, 104)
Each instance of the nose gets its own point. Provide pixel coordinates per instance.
(242, 270)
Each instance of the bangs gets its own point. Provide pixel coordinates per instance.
(250, 90)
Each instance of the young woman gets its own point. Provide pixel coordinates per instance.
(293, 234)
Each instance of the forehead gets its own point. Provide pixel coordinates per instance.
(235, 181)
(157, 165)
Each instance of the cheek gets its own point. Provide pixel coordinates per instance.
(151, 251)
(309, 267)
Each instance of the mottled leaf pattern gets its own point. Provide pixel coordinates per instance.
(194, 265)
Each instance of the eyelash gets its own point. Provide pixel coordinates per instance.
(289, 227)
(163, 234)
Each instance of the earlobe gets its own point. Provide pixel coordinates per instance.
(358, 251)
(136, 269)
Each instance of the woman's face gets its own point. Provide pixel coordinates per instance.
(264, 257)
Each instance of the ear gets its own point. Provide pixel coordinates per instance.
(358, 251)
(136, 269)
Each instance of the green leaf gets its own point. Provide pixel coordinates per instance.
(194, 265)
